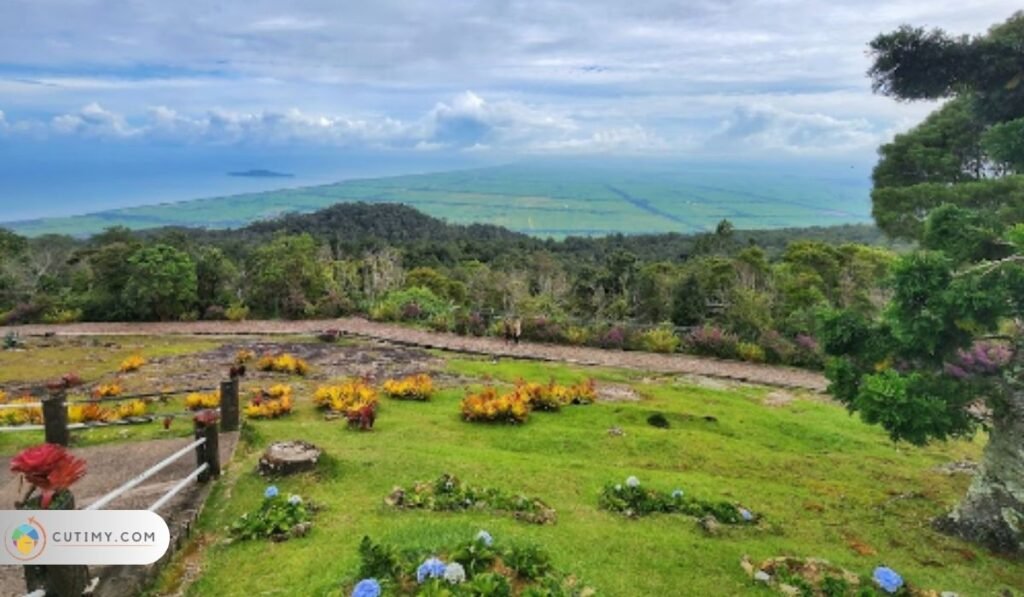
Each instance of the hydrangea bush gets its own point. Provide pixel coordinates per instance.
(277, 517)
(472, 568)
(632, 499)
(448, 494)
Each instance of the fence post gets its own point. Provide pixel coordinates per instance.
(209, 452)
(55, 419)
(229, 413)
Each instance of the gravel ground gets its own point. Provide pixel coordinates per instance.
(770, 375)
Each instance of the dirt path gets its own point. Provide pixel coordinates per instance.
(677, 363)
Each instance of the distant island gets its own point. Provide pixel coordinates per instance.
(261, 173)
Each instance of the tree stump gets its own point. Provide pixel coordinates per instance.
(288, 458)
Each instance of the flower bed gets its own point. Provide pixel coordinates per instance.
(475, 567)
(132, 363)
(632, 500)
(271, 403)
(284, 363)
(448, 494)
(412, 387)
(277, 518)
(817, 577)
(202, 401)
(490, 407)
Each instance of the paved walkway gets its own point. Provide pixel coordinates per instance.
(676, 363)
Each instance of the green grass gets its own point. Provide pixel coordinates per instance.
(544, 200)
(822, 479)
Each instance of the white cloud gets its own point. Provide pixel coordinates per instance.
(771, 129)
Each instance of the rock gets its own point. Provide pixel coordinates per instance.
(762, 576)
(710, 525)
(616, 432)
(289, 457)
(300, 530)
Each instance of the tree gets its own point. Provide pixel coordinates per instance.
(161, 283)
(215, 278)
(285, 277)
(947, 354)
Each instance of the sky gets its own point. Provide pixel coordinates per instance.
(94, 90)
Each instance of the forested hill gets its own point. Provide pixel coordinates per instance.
(356, 227)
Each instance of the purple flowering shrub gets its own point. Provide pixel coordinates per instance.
(713, 341)
(982, 358)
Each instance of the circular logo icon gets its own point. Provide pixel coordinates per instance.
(26, 541)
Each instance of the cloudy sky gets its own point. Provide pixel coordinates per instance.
(723, 78)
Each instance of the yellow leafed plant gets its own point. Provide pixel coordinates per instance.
(200, 400)
(91, 412)
(412, 387)
(284, 363)
(132, 363)
(489, 406)
(132, 408)
(349, 396)
(271, 403)
(244, 356)
(20, 416)
(108, 390)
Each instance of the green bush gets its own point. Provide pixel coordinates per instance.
(750, 352)
(410, 304)
(237, 312)
(661, 339)
(57, 316)
(577, 335)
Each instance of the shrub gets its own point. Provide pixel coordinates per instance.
(271, 403)
(776, 347)
(349, 397)
(412, 387)
(215, 313)
(285, 363)
(633, 500)
(553, 396)
(276, 518)
(237, 312)
(59, 316)
(449, 494)
(470, 324)
(541, 328)
(410, 304)
(750, 352)
(20, 416)
(132, 363)
(577, 335)
(613, 338)
(661, 339)
(712, 341)
(488, 406)
(202, 401)
(807, 353)
(109, 390)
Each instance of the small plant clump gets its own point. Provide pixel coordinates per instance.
(270, 403)
(107, 390)
(477, 567)
(25, 415)
(449, 494)
(132, 363)
(552, 396)
(348, 396)
(412, 387)
(633, 501)
(277, 518)
(95, 412)
(283, 363)
(202, 400)
(815, 577)
(50, 470)
(490, 407)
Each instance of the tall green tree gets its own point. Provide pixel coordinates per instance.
(947, 355)
(161, 283)
(285, 277)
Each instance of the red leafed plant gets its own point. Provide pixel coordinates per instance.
(363, 418)
(50, 468)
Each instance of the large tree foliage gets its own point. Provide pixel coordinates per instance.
(945, 356)
(161, 283)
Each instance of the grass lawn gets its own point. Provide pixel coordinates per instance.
(826, 484)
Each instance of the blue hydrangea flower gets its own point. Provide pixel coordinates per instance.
(294, 499)
(887, 579)
(633, 482)
(677, 494)
(485, 538)
(270, 492)
(431, 568)
(368, 587)
(747, 516)
(454, 573)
